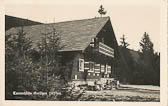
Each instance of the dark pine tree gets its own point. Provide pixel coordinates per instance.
(146, 45)
(18, 64)
(148, 61)
(123, 42)
(128, 68)
(50, 60)
(102, 11)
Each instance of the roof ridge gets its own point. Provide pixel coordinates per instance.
(85, 28)
(62, 22)
(76, 20)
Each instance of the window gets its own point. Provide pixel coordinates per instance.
(81, 65)
(93, 40)
(76, 77)
(93, 74)
(91, 67)
(109, 69)
(102, 68)
(88, 74)
(86, 66)
(97, 74)
(97, 68)
(92, 44)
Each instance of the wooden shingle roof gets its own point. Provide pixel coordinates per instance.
(75, 35)
(11, 21)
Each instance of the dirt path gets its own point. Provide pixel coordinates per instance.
(124, 94)
(147, 87)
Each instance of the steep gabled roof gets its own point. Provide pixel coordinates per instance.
(11, 21)
(75, 35)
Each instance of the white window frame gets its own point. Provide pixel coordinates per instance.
(81, 65)
(105, 71)
(86, 68)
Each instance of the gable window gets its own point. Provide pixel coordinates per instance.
(81, 65)
(94, 42)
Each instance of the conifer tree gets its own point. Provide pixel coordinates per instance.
(50, 60)
(148, 61)
(123, 42)
(18, 64)
(146, 44)
(102, 11)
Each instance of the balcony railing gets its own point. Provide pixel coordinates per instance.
(106, 50)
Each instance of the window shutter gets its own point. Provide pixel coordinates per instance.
(81, 65)
(106, 69)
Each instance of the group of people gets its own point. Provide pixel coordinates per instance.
(110, 84)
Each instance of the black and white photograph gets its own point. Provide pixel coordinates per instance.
(83, 50)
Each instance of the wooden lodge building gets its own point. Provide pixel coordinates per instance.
(90, 47)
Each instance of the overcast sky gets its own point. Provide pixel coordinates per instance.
(129, 17)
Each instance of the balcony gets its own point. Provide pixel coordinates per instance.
(106, 50)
